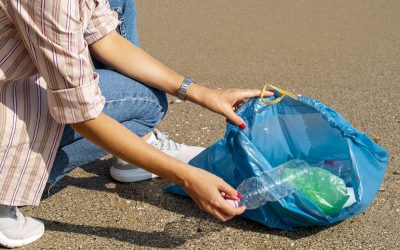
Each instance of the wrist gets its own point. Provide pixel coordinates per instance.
(182, 176)
(196, 93)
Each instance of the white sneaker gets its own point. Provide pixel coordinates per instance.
(17, 230)
(126, 172)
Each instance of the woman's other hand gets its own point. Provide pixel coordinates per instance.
(205, 189)
(224, 101)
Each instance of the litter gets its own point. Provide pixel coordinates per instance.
(286, 127)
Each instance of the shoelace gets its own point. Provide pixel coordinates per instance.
(166, 143)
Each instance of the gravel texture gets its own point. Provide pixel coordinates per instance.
(344, 53)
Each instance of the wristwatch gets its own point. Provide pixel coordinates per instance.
(183, 89)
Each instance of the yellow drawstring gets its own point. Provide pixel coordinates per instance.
(281, 91)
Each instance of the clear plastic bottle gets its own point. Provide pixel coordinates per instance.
(272, 185)
(341, 169)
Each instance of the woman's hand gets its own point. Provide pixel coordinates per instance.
(205, 189)
(223, 101)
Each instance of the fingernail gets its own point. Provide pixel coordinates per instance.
(239, 195)
(242, 126)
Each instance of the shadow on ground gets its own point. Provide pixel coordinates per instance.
(149, 239)
(152, 192)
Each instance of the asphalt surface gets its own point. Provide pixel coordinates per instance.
(344, 53)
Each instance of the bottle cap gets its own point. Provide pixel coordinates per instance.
(331, 163)
(233, 203)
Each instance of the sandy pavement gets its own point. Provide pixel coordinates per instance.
(344, 53)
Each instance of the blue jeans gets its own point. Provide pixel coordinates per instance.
(138, 107)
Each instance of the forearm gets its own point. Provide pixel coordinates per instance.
(121, 142)
(125, 57)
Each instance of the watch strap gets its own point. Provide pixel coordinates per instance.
(183, 89)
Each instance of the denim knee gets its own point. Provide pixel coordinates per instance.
(163, 101)
(130, 100)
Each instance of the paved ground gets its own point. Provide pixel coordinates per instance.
(345, 53)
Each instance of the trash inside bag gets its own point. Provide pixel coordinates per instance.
(323, 188)
(286, 127)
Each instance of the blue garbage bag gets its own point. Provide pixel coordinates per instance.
(303, 129)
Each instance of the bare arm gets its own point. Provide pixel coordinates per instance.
(113, 137)
(107, 133)
(125, 57)
(202, 186)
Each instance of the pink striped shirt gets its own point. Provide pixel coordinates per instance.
(46, 80)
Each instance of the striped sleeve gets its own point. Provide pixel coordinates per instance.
(54, 37)
(102, 22)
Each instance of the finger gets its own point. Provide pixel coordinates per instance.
(228, 190)
(249, 93)
(227, 196)
(233, 194)
(238, 104)
(227, 209)
(239, 210)
(268, 93)
(220, 215)
(234, 118)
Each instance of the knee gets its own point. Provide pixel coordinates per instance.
(159, 108)
(163, 102)
(144, 110)
(127, 99)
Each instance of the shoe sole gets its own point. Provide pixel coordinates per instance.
(132, 175)
(4, 241)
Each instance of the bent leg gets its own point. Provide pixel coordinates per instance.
(138, 107)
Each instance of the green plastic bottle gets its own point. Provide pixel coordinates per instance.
(323, 188)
